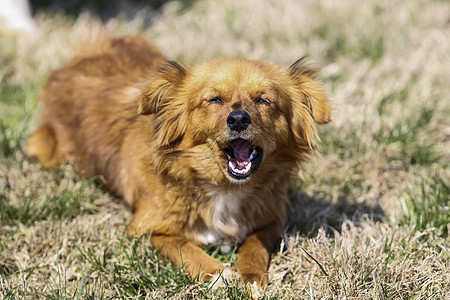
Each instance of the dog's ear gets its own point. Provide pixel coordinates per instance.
(310, 92)
(168, 76)
(160, 98)
(310, 104)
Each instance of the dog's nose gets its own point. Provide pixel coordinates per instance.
(238, 120)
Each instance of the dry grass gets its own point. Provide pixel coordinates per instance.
(369, 216)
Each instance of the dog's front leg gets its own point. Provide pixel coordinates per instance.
(181, 251)
(254, 254)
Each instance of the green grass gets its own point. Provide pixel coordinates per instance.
(404, 139)
(18, 105)
(65, 204)
(137, 269)
(426, 208)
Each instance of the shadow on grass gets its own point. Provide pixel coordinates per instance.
(307, 214)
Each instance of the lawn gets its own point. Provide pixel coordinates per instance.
(369, 217)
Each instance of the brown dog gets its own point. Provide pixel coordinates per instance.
(203, 155)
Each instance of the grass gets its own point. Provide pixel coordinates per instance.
(369, 216)
(18, 103)
(427, 207)
(65, 204)
(133, 274)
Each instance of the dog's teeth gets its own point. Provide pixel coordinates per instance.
(252, 155)
(245, 170)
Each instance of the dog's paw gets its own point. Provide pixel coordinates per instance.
(218, 280)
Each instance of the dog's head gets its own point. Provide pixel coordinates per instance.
(237, 118)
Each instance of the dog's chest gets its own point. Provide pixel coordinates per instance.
(226, 219)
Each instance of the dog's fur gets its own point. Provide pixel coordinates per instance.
(161, 136)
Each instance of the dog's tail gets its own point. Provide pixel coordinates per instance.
(43, 145)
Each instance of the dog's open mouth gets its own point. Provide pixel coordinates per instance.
(243, 158)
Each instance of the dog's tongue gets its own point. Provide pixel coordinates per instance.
(242, 150)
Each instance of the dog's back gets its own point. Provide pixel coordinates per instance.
(86, 114)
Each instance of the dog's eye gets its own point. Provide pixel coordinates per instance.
(215, 100)
(261, 100)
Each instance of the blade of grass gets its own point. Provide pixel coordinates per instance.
(317, 262)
